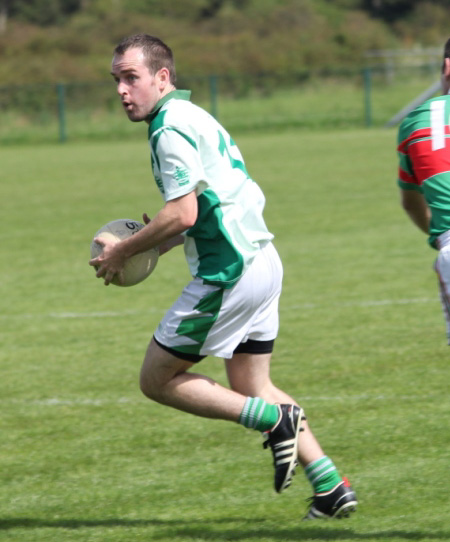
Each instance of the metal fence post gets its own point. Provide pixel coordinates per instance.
(367, 74)
(60, 88)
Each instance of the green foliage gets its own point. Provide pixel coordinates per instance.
(42, 12)
(45, 12)
(188, 9)
(224, 45)
(428, 21)
(73, 39)
(390, 10)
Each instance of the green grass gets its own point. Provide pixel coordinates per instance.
(85, 457)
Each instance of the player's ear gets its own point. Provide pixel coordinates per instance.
(446, 68)
(445, 76)
(163, 76)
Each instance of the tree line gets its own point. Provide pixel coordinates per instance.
(71, 40)
(55, 12)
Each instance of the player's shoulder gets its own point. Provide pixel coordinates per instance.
(177, 110)
(420, 118)
(423, 110)
(184, 117)
(174, 115)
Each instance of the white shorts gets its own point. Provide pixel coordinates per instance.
(442, 268)
(208, 320)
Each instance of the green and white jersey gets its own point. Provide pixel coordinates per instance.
(190, 151)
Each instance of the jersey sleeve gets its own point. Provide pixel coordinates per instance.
(178, 166)
(406, 178)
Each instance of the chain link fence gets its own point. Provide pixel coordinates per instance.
(304, 99)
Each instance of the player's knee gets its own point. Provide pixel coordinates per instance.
(148, 381)
(149, 386)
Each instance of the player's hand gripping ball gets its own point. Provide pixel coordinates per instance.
(138, 267)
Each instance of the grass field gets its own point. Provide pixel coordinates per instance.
(85, 457)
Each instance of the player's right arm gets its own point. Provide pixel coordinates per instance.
(415, 206)
(411, 192)
(174, 241)
(177, 216)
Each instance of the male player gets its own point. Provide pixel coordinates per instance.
(424, 176)
(230, 307)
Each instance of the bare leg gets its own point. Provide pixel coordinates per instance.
(249, 375)
(164, 378)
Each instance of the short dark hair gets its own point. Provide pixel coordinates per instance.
(157, 54)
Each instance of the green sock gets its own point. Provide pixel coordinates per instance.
(259, 415)
(322, 474)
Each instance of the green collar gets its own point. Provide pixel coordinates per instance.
(177, 94)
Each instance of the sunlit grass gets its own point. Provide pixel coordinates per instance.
(85, 457)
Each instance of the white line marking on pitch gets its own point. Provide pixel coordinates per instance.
(306, 306)
(369, 303)
(84, 401)
(79, 401)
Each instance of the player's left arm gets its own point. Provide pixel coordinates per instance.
(415, 206)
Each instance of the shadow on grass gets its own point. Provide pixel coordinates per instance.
(214, 529)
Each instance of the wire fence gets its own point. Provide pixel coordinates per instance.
(303, 99)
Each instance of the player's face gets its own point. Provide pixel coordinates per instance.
(138, 89)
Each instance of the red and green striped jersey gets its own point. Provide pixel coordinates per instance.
(424, 159)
